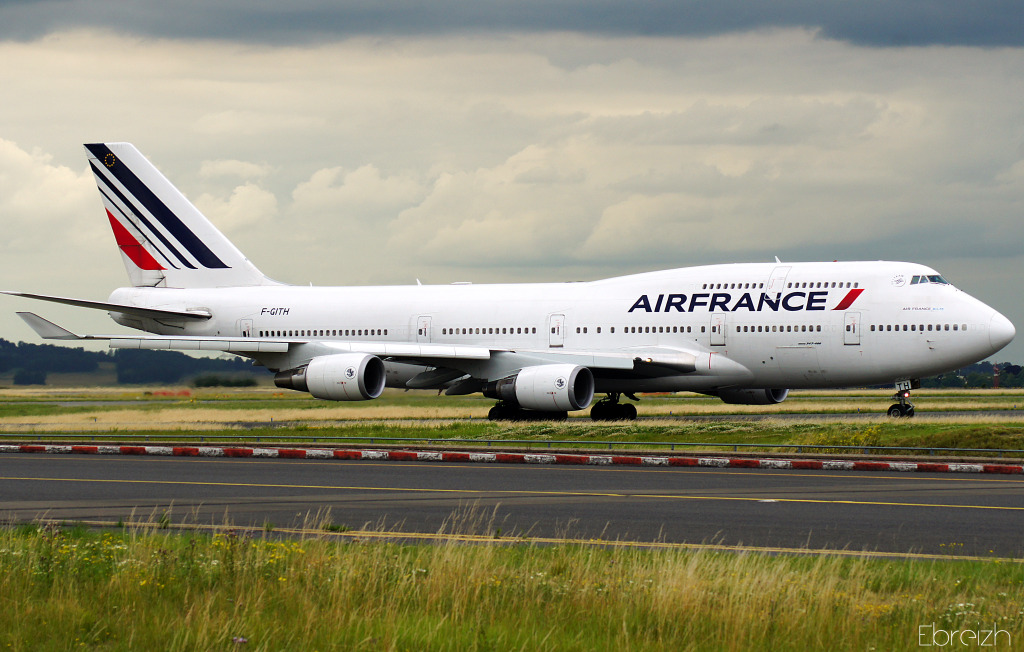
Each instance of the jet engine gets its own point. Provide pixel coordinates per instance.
(753, 396)
(340, 377)
(547, 387)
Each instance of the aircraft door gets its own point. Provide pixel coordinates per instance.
(245, 327)
(718, 329)
(851, 334)
(423, 328)
(556, 331)
(777, 283)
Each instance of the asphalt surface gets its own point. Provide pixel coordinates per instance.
(886, 513)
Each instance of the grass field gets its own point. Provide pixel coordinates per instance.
(267, 415)
(146, 588)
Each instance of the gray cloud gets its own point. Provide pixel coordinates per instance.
(520, 157)
(993, 23)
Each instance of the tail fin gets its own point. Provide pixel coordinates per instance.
(164, 240)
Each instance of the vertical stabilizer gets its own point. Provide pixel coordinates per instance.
(164, 240)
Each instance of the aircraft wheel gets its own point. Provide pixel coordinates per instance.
(628, 412)
(895, 410)
(600, 412)
(502, 412)
(909, 412)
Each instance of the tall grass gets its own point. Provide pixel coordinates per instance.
(147, 588)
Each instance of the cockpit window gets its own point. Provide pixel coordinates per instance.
(930, 278)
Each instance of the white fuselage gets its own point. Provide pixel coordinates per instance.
(799, 325)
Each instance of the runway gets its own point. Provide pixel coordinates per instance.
(814, 510)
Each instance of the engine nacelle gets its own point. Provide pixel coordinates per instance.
(340, 377)
(548, 387)
(753, 396)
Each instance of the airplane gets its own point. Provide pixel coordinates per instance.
(746, 333)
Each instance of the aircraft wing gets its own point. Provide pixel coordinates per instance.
(656, 361)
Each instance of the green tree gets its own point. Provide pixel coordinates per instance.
(29, 377)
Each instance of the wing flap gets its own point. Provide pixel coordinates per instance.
(199, 344)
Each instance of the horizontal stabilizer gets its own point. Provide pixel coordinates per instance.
(47, 329)
(148, 313)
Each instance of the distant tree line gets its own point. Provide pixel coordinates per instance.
(980, 375)
(32, 362)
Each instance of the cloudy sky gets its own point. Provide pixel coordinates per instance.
(384, 141)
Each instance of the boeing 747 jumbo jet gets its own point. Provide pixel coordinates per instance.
(746, 333)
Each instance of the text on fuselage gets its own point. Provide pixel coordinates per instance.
(723, 301)
(275, 312)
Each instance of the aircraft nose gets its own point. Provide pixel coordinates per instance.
(1000, 332)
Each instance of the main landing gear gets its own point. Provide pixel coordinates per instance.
(609, 409)
(903, 407)
(504, 411)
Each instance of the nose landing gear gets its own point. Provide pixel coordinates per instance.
(903, 407)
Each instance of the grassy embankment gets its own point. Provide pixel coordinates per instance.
(146, 588)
